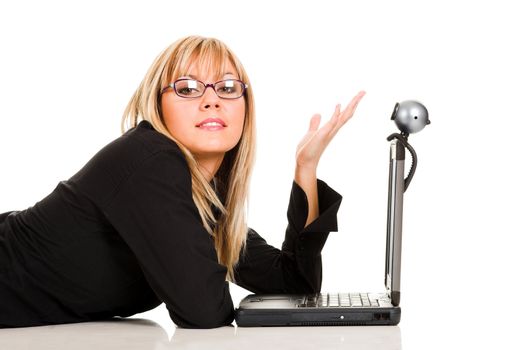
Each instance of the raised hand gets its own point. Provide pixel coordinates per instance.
(311, 148)
(316, 140)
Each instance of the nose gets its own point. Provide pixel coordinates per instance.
(210, 99)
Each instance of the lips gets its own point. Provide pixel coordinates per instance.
(211, 123)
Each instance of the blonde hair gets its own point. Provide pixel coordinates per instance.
(229, 229)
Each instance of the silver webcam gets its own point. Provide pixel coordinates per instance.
(410, 116)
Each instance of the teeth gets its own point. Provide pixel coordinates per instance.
(211, 124)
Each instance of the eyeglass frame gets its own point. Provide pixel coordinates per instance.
(172, 85)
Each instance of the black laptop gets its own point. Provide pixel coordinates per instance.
(349, 308)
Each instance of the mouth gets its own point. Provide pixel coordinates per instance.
(214, 123)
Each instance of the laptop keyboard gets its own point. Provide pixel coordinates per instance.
(346, 300)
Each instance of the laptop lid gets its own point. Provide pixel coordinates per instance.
(396, 188)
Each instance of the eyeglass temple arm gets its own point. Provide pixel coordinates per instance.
(170, 85)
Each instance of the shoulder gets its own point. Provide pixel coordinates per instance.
(141, 149)
(139, 143)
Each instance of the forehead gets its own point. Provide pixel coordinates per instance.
(210, 70)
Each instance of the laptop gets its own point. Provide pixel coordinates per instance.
(348, 308)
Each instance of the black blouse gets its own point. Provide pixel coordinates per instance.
(124, 235)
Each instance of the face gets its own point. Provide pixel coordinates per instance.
(208, 126)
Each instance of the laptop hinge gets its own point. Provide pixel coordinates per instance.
(395, 297)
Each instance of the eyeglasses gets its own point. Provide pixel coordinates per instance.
(190, 88)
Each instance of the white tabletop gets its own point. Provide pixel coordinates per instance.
(145, 334)
(423, 326)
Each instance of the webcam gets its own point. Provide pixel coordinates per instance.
(410, 117)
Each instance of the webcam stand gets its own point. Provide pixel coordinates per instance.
(397, 185)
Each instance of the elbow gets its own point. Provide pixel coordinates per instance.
(208, 310)
(202, 323)
(203, 320)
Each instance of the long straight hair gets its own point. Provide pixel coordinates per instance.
(222, 209)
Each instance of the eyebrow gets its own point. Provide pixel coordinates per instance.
(195, 78)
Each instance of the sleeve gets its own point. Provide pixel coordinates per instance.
(154, 212)
(297, 267)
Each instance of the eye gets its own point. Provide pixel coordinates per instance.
(229, 87)
(188, 88)
(186, 91)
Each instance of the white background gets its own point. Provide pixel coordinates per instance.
(68, 69)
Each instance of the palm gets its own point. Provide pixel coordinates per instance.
(313, 144)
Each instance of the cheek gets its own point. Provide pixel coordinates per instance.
(240, 113)
(171, 114)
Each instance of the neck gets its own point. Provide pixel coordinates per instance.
(209, 164)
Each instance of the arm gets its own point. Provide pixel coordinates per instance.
(311, 215)
(297, 267)
(307, 180)
(154, 212)
(312, 146)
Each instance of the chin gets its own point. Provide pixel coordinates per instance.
(210, 151)
(214, 147)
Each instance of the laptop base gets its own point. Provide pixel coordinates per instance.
(270, 311)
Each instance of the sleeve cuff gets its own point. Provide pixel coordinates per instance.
(310, 240)
(329, 202)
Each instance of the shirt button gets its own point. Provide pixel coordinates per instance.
(301, 247)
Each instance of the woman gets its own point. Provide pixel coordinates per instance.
(158, 215)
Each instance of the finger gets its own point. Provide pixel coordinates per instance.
(337, 112)
(335, 117)
(314, 122)
(347, 113)
(351, 107)
(330, 125)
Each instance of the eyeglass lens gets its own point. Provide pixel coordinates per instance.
(195, 88)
